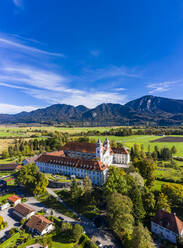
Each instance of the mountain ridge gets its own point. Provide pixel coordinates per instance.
(151, 110)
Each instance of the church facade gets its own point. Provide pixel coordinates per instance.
(81, 159)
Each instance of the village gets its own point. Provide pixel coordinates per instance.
(75, 166)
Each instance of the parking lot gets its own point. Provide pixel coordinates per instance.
(7, 216)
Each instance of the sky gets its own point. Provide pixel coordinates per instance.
(88, 52)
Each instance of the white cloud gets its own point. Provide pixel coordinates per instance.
(7, 42)
(161, 86)
(14, 109)
(87, 98)
(119, 89)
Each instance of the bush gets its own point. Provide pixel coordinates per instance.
(89, 244)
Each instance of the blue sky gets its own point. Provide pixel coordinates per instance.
(88, 52)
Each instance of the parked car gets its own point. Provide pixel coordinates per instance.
(98, 243)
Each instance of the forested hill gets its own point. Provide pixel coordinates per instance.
(147, 110)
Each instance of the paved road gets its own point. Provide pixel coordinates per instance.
(101, 235)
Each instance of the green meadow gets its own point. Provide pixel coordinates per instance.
(145, 140)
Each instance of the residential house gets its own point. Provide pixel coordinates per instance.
(39, 225)
(23, 211)
(14, 200)
(167, 225)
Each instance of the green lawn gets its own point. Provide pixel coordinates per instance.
(4, 197)
(11, 242)
(51, 202)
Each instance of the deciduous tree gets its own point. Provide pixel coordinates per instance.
(141, 237)
(119, 212)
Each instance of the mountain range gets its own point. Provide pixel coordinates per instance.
(147, 110)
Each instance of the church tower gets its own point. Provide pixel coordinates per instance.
(107, 144)
(99, 150)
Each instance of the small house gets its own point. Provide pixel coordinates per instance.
(167, 225)
(39, 225)
(4, 206)
(14, 200)
(23, 211)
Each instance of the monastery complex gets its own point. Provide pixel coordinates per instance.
(80, 159)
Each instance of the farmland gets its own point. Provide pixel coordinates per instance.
(145, 140)
(9, 133)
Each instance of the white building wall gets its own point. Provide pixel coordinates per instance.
(121, 158)
(48, 229)
(167, 234)
(97, 177)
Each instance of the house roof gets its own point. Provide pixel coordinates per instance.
(23, 209)
(73, 162)
(31, 160)
(169, 221)
(56, 153)
(80, 147)
(38, 223)
(14, 198)
(120, 150)
(89, 148)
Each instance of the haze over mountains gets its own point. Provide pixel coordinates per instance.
(147, 110)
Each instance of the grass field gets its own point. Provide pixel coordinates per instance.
(129, 141)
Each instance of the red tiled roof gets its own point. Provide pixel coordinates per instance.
(80, 147)
(31, 160)
(168, 221)
(14, 198)
(89, 148)
(38, 222)
(23, 209)
(56, 153)
(120, 150)
(73, 162)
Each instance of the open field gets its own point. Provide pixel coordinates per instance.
(4, 143)
(145, 140)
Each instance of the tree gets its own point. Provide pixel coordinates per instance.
(135, 195)
(89, 244)
(179, 241)
(116, 182)
(119, 209)
(1, 220)
(174, 193)
(33, 180)
(141, 237)
(148, 201)
(87, 184)
(147, 169)
(77, 231)
(162, 203)
(174, 149)
(138, 179)
(165, 154)
(75, 190)
(5, 154)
